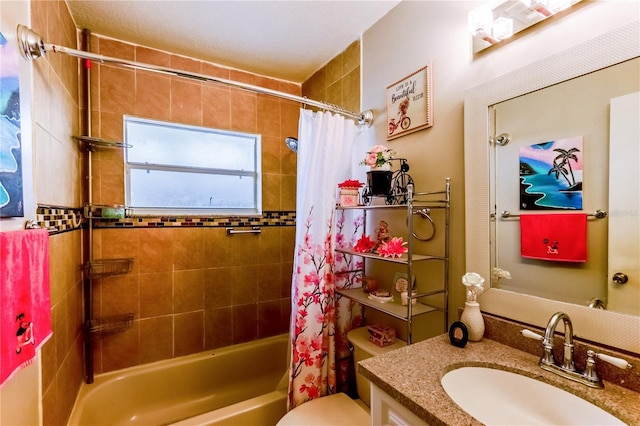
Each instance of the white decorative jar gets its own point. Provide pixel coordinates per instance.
(472, 318)
(349, 197)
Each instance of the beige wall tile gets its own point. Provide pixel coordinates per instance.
(186, 102)
(117, 90)
(271, 154)
(156, 339)
(188, 290)
(218, 327)
(188, 248)
(268, 116)
(245, 323)
(216, 106)
(189, 333)
(156, 294)
(244, 111)
(153, 96)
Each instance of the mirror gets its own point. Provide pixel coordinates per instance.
(575, 116)
(607, 327)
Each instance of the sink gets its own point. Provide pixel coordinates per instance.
(498, 397)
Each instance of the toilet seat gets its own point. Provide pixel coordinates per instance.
(335, 410)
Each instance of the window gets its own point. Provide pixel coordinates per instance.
(177, 169)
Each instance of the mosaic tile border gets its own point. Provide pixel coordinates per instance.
(59, 219)
(271, 218)
(62, 219)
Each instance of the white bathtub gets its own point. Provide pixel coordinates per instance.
(244, 384)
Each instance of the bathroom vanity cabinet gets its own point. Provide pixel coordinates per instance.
(387, 411)
(418, 204)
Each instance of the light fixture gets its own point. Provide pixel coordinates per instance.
(498, 20)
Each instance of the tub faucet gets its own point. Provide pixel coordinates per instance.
(548, 358)
(568, 369)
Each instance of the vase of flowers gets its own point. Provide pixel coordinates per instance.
(379, 176)
(471, 315)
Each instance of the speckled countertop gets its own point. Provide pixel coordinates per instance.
(412, 374)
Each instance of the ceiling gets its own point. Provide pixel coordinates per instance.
(289, 40)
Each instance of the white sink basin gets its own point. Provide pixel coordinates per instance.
(497, 397)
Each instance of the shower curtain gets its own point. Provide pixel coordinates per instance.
(328, 153)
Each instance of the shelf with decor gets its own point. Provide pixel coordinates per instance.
(420, 204)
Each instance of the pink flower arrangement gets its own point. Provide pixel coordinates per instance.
(364, 245)
(379, 155)
(395, 247)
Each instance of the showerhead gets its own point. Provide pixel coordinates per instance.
(292, 143)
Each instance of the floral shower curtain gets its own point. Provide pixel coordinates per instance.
(327, 150)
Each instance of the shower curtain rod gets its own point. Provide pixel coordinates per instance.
(33, 46)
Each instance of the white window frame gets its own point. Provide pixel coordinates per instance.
(256, 174)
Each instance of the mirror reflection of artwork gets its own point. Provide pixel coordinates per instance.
(11, 196)
(551, 175)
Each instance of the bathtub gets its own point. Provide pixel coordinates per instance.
(236, 385)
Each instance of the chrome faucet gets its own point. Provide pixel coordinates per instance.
(568, 369)
(548, 359)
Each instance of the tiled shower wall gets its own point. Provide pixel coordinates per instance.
(192, 287)
(338, 82)
(58, 182)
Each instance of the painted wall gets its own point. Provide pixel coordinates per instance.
(418, 33)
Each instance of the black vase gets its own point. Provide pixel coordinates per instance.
(379, 182)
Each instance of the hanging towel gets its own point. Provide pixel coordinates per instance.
(25, 302)
(555, 237)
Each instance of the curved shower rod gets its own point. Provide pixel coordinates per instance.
(32, 46)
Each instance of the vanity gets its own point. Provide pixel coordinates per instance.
(407, 384)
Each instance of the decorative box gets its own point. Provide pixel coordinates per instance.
(381, 335)
(349, 197)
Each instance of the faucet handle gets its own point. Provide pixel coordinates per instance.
(531, 335)
(618, 362)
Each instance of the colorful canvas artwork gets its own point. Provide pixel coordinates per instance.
(11, 196)
(551, 175)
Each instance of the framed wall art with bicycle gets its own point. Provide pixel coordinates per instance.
(409, 104)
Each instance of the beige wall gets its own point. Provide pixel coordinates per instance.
(418, 33)
(190, 289)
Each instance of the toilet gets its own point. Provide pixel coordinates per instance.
(339, 409)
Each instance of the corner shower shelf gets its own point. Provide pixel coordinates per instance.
(106, 211)
(101, 143)
(105, 267)
(109, 325)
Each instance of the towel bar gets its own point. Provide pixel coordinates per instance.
(598, 214)
(253, 230)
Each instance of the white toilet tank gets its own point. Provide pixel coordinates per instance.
(363, 348)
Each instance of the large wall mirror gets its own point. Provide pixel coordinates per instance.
(566, 95)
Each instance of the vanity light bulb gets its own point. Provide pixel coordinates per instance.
(502, 28)
(556, 6)
(480, 21)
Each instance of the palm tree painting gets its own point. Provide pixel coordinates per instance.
(551, 175)
(11, 196)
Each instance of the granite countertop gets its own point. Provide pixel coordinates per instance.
(412, 374)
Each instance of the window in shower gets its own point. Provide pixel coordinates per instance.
(178, 169)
